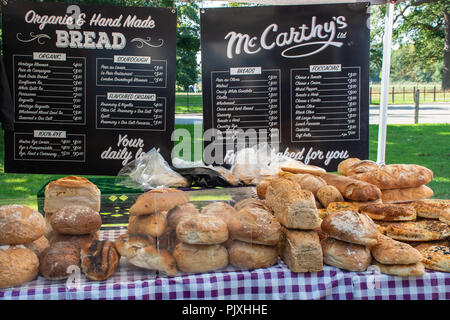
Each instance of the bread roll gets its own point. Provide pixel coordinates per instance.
(352, 189)
(38, 246)
(153, 224)
(436, 258)
(78, 241)
(157, 200)
(76, 220)
(255, 225)
(301, 250)
(389, 212)
(293, 207)
(252, 203)
(152, 258)
(261, 188)
(128, 244)
(390, 251)
(351, 227)
(306, 181)
(202, 229)
(17, 266)
(179, 212)
(344, 255)
(252, 256)
(219, 209)
(425, 230)
(402, 270)
(200, 258)
(406, 195)
(431, 208)
(328, 194)
(20, 224)
(55, 260)
(99, 260)
(352, 166)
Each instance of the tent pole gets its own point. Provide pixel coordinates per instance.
(387, 44)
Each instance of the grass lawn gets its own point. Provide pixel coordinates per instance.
(424, 144)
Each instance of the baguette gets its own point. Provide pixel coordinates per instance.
(156, 200)
(406, 195)
(351, 188)
(354, 166)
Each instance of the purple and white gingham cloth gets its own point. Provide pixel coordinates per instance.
(274, 283)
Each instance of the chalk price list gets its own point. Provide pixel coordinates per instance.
(325, 105)
(247, 101)
(49, 91)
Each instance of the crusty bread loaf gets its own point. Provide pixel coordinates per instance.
(99, 260)
(76, 220)
(351, 227)
(402, 270)
(167, 241)
(436, 258)
(78, 241)
(255, 225)
(55, 260)
(219, 209)
(328, 194)
(389, 212)
(261, 188)
(293, 207)
(200, 258)
(153, 224)
(344, 255)
(390, 251)
(127, 244)
(153, 258)
(251, 203)
(298, 167)
(352, 189)
(301, 250)
(179, 212)
(17, 266)
(202, 229)
(157, 200)
(69, 191)
(397, 176)
(406, 194)
(38, 246)
(425, 230)
(252, 256)
(306, 181)
(20, 224)
(341, 206)
(352, 166)
(431, 208)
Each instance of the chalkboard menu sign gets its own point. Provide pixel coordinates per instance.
(93, 86)
(297, 73)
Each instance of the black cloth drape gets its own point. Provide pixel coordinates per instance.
(6, 104)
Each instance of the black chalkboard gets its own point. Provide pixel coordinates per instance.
(93, 86)
(299, 73)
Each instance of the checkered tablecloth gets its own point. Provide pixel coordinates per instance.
(272, 283)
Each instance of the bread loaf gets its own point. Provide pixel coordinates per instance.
(219, 209)
(179, 212)
(157, 200)
(17, 266)
(344, 255)
(406, 195)
(99, 260)
(261, 188)
(20, 224)
(200, 258)
(431, 208)
(153, 224)
(389, 212)
(38, 246)
(352, 166)
(301, 250)
(351, 227)
(352, 189)
(153, 258)
(390, 251)
(55, 261)
(402, 270)
(252, 203)
(252, 256)
(78, 241)
(76, 220)
(255, 225)
(202, 229)
(328, 194)
(127, 244)
(298, 167)
(245, 172)
(306, 181)
(293, 207)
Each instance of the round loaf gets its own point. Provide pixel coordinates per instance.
(153, 224)
(20, 224)
(17, 266)
(351, 227)
(402, 270)
(436, 258)
(38, 246)
(202, 229)
(158, 200)
(55, 260)
(219, 209)
(389, 212)
(252, 256)
(255, 225)
(128, 244)
(328, 194)
(200, 258)
(154, 259)
(76, 220)
(181, 211)
(251, 203)
(390, 251)
(344, 255)
(78, 241)
(99, 260)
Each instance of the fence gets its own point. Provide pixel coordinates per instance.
(404, 94)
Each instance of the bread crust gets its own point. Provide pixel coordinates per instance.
(436, 258)
(344, 255)
(127, 244)
(55, 260)
(20, 224)
(78, 240)
(152, 258)
(17, 266)
(157, 200)
(38, 246)
(406, 194)
(390, 251)
(328, 194)
(352, 189)
(219, 209)
(389, 212)
(341, 206)
(153, 224)
(202, 229)
(179, 212)
(252, 203)
(425, 230)
(306, 181)
(200, 258)
(302, 168)
(352, 166)
(99, 260)
(402, 270)
(76, 220)
(261, 188)
(431, 208)
(252, 256)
